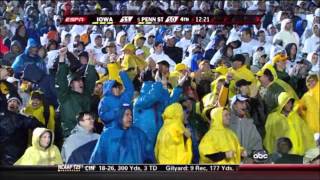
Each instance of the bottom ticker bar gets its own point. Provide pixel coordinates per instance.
(162, 168)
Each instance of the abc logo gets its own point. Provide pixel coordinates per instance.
(260, 155)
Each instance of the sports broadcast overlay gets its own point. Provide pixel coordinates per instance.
(182, 88)
(162, 20)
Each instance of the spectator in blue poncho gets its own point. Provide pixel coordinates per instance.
(160, 34)
(301, 26)
(122, 143)
(112, 100)
(149, 106)
(29, 56)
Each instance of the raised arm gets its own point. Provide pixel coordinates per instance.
(106, 112)
(128, 93)
(61, 76)
(151, 97)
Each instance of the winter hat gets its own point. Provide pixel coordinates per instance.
(74, 77)
(37, 95)
(14, 96)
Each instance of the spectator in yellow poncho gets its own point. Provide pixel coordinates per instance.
(173, 144)
(139, 40)
(240, 71)
(217, 98)
(42, 151)
(131, 63)
(273, 86)
(179, 71)
(309, 105)
(41, 111)
(220, 145)
(286, 122)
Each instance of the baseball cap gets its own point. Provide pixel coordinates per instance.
(242, 82)
(139, 36)
(169, 37)
(238, 97)
(164, 62)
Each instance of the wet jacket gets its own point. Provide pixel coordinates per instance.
(274, 89)
(172, 146)
(110, 105)
(38, 113)
(309, 106)
(291, 126)
(24, 59)
(117, 145)
(43, 82)
(78, 147)
(9, 58)
(37, 155)
(14, 130)
(246, 132)
(175, 53)
(149, 106)
(71, 102)
(219, 139)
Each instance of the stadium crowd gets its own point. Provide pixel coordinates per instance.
(177, 94)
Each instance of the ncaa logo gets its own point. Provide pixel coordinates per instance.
(260, 156)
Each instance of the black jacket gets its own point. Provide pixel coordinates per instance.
(175, 53)
(14, 129)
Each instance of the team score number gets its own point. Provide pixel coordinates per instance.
(215, 168)
(107, 168)
(201, 19)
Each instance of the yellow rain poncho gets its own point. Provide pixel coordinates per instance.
(292, 127)
(145, 49)
(213, 98)
(216, 98)
(131, 60)
(219, 139)
(171, 146)
(114, 69)
(309, 105)
(38, 114)
(280, 82)
(243, 73)
(37, 155)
